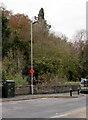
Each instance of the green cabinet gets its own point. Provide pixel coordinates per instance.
(8, 89)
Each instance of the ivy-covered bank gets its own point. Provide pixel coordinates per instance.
(56, 60)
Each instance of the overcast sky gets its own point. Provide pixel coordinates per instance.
(66, 16)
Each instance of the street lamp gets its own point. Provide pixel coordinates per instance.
(32, 71)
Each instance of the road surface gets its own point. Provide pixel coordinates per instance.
(46, 108)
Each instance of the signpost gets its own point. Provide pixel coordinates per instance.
(31, 71)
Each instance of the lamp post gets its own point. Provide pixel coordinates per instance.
(31, 62)
(32, 71)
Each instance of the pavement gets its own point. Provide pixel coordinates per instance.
(38, 96)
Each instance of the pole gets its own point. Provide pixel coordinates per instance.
(32, 91)
(31, 62)
(78, 91)
(70, 92)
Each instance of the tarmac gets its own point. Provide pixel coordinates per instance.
(44, 96)
(39, 96)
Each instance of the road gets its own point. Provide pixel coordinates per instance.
(46, 108)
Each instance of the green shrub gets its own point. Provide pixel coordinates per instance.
(18, 78)
(72, 83)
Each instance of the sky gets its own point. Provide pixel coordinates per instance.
(65, 16)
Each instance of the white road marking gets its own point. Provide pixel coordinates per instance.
(58, 116)
(66, 114)
(57, 113)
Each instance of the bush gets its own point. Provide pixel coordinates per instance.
(72, 83)
(18, 78)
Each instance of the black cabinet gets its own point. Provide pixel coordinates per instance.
(8, 89)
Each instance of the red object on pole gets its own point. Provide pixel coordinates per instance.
(31, 71)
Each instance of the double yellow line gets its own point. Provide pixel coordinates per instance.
(2, 101)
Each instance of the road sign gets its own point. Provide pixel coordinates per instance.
(31, 71)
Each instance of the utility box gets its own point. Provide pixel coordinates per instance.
(8, 89)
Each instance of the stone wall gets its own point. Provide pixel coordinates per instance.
(44, 89)
(24, 90)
